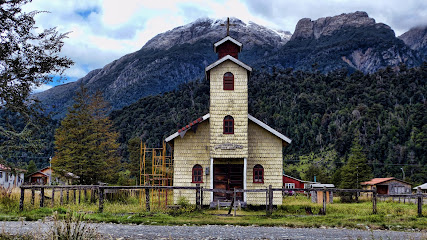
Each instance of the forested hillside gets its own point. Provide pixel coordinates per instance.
(321, 113)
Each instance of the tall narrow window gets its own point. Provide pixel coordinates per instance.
(228, 125)
(258, 174)
(228, 81)
(197, 174)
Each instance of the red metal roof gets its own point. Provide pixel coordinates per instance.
(376, 181)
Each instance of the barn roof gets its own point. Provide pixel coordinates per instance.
(228, 57)
(181, 131)
(299, 180)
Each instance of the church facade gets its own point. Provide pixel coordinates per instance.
(228, 148)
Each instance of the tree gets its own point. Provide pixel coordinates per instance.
(356, 169)
(28, 58)
(85, 142)
(31, 168)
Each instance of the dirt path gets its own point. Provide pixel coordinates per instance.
(125, 231)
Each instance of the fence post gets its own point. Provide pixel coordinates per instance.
(32, 195)
(74, 196)
(92, 195)
(80, 193)
(21, 201)
(41, 196)
(68, 195)
(201, 197)
(53, 197)
(234, 201)
(147, 199)
(420, 202)
(270, 200)
(324, 201)
(101, 199)
(374, 201)
(61, 198)
(85, 195)
(198, 195)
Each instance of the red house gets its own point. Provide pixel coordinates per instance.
(291, 182)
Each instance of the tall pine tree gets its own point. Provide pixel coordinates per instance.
(85, 143)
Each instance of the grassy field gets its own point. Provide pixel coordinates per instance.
(293, 213)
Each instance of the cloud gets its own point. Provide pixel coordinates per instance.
(41, 88)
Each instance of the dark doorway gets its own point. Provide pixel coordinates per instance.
(228, 177)
(382, 189)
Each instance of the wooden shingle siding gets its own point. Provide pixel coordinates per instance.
(188, 151)
(264, 149)
(228, 102)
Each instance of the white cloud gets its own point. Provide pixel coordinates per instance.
(41, 88)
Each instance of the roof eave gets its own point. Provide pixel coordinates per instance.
(225, 58)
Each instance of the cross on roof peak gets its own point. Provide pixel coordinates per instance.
(228, 26)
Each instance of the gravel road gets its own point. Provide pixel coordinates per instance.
(124, 231)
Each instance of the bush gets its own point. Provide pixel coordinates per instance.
(71, 228)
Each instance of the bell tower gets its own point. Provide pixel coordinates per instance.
(228, 109)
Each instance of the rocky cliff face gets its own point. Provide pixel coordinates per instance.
(416, 39)
(351, 41)
(306, 28)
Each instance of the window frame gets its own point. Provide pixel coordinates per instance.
(228, 119)
(289, 185)
(194, 173)
(258, 168)
(228, 82)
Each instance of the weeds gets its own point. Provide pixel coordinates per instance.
(8, 201)
(71, 228)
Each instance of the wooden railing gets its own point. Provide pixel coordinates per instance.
(100, 191)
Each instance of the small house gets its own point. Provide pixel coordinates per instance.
(387, 186)
(423, 188)
(318, 191)
(291, 182)
(9, 178)
(44, 177)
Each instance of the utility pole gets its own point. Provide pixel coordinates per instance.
(403, 174)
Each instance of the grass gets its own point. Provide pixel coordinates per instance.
(293, 213)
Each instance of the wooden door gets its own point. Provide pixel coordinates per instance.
(228, 177)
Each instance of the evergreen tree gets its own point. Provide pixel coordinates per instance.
(356, 169)
(31, 168)
(85, 142)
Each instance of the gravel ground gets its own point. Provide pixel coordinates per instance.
(124, 231)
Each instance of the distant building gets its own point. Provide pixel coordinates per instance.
(423, 188)
(44, 177)
(291, 182)
(317, 194)
(9, 178)
(387, 186)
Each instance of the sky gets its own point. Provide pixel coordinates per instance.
(100, 32)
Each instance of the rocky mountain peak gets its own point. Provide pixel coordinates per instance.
(250, 34)
(306, 28)
(416, 39)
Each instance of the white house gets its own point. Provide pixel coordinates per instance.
(9, 179)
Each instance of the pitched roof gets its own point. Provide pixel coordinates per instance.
(299, 180)
(228, 57)
(5, 168)
(228, 38)
(422, 186)
(182, 131)
(377, 181)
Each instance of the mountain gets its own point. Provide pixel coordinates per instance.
(166, 61)
(416, 39)
(352, 41)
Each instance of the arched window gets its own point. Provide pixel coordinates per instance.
(228, 83)
(258, 174)
(228, 125)
(197, 174)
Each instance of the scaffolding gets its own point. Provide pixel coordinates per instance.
(156, 169)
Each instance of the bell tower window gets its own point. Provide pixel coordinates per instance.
(228, 125)
(228, 83)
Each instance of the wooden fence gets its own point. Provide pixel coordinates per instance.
(100, 191)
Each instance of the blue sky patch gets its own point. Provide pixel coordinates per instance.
(86, 12)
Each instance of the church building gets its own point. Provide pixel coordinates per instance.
(227, 148)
